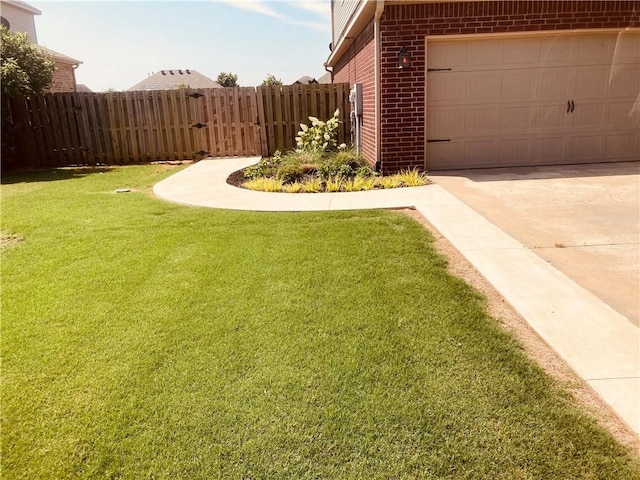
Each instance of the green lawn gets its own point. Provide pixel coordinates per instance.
(146, 340)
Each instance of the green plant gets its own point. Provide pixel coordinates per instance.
(271, 80)
(312, 185)
(267, 166)
(358, 184)
(392, 181)
(309, 157)
(227, 79)
(413, 178)
(24, 68)
(289, 172)
(334, 184)
(295, 187)
(343, 164)
(320, 136)
(264, 184)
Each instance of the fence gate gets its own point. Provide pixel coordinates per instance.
(230, 122)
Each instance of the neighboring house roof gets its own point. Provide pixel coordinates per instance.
(305, 80)
(23, 6)
(59, 57)
(172, 79)
(81, 87)
(326, 78)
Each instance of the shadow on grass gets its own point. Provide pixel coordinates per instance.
(50, 175)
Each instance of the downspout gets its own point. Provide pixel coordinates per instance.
(377, 35)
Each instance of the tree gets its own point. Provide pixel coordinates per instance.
(24, 68)
(271, 80)
(227, 79)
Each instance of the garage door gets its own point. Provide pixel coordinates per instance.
(536, 100)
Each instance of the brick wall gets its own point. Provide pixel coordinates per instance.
(64, 79)
(402, 99)
(358, 65)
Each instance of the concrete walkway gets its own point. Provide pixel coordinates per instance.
(600, 344)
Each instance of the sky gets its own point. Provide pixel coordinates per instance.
(122, 42)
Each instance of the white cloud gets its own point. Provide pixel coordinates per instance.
(257, 6)
(319, 7)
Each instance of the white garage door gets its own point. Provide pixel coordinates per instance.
(533, 100)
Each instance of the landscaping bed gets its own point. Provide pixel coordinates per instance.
(320, 165)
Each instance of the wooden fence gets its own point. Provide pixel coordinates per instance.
(131, 127)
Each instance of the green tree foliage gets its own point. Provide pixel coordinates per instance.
(227, 79)
(271, 80)
(24, 69)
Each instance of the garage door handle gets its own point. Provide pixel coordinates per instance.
(573, 106)
(568, 106)
(440, 140)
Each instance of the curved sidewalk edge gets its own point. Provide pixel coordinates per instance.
(600, 344)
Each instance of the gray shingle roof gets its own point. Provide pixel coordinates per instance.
(171, 79)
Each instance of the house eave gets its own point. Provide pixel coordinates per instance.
(23, 6)
(356, 24)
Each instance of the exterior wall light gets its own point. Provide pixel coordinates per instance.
(404, 60)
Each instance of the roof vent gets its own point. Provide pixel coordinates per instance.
(162, 71)
(171, 72)
(188, 72)
(180, 71)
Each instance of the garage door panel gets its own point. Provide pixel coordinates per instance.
(587, 114)
(448, 55)
(522, 53)
(622, 114)
(623, 146)
(555, 51)
(481, 121)
(591, 82)
(515, 119)
(441, 155)
(514, 151)
(486, 151)
(448, 89)
(584, 147)
(548, 99)
(554, 85)
(549, 150)
(488, 54)
(447, 123)
(519, 85)
(595, 48)
(550, 117)
(627, 48)
(624, 80)
(482, 87)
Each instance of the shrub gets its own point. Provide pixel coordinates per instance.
(289, 172)
(320, 136)
(300, 157)
(343, 164)
(265, 167)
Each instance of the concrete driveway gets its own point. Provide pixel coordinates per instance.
(583, 219)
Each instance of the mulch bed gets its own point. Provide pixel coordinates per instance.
(236, 179)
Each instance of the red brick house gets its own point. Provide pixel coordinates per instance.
(469, 84)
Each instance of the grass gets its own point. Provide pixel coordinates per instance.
(142, 339)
